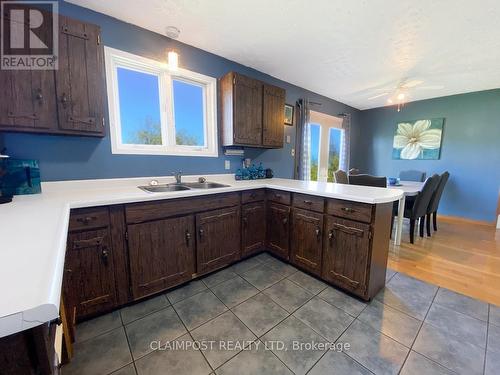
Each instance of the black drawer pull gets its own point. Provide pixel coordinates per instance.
(308, 202)
(188, 237)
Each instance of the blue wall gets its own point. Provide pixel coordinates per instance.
(66, 157)
(470, 149)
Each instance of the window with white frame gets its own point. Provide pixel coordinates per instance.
(157, 111)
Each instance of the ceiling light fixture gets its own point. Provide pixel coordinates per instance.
(172, 56)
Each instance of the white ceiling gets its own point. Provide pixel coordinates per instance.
(348, 50)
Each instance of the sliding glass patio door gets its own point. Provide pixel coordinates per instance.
(325, 142)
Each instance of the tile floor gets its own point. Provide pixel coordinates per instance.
(411, 327)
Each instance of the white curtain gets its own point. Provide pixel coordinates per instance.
(306, 152)
(346, 140)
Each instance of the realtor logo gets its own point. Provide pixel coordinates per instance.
(29, 35)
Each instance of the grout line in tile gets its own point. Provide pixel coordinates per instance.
(487, 334)
(129, 349)
(418, 333)
(99, 335)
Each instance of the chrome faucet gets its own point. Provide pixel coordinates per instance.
(178, 176)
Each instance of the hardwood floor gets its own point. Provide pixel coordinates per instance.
(461, 256)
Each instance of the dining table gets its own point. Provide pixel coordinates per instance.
(409, 188)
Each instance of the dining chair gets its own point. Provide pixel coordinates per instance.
(367, 180)
(434, 202)
(340, 177)
(417, 209)
(412, 175)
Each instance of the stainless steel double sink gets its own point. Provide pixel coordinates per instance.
(182, 186)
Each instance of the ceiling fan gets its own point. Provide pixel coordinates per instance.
(401, 92)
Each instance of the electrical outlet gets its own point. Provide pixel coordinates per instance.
(227, 164)
(293, 152)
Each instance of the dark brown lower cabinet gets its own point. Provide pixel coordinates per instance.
(219, 240)
(346, 254)
(161, 254)
(253, 228)
(89, 284)
(307, 240)
(278, 229)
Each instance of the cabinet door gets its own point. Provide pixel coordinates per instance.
(306, 243)
(219, 239)
(346, 254)
(80, 78)
(253, 227)
(89, 284)
(278, 229)
(27, 97)
(273, 116)
(247, 111)
(161, 254)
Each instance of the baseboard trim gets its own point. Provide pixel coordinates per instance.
(458, 219)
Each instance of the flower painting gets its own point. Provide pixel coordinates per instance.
(419, 139)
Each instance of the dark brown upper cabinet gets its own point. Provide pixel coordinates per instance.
(273, 108)
(252, 112)
(161, 254)
(80, 78)
(69, 100)
(27, 97)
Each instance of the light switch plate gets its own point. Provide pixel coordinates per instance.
(288, 139)
(227, 164)
(293, 152)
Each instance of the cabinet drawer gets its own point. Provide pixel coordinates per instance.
(279, 196)
(253, 196)
(89, 218)
(140, 212)
(350, 210)
(308, 202)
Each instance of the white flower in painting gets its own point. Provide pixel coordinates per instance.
(413, 139)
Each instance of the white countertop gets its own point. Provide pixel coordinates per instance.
(33, 232)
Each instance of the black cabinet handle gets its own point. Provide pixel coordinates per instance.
(104, 255)
(307, 202)
(330, 234)
(201, 232)
(285, 221)
(39, 95)
(64, 100)
(188, 237)
(348, 210)
(318, 232)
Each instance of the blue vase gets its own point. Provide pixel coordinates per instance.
(261, 173)
(238, 175)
